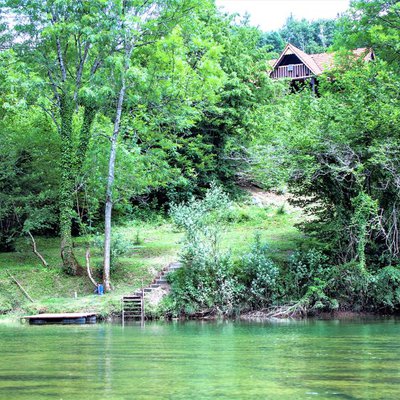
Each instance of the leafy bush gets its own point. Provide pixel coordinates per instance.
(350, 285)
(138, 240)
(209, 280)
(119, 247)
(281, 210)
(259, 275)
(206, 284)
(303, 269)
(309, 279)
(206, 281)
(386, 289)
(198, 217)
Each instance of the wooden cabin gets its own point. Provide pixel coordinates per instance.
(300, 67)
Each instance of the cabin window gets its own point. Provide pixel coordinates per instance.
(289, 59)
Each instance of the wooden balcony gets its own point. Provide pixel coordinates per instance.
(293, 71)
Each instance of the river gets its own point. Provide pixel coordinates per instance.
(357, 359)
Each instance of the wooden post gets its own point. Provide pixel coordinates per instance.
(313, 85)
(123, 312)
(142, 308)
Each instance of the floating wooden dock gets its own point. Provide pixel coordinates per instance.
(64, 319)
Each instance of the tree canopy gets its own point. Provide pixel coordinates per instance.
(108, 106)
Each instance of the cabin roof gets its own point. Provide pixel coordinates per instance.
(318, 63)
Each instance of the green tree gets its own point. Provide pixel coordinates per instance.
(144, 31)
(374, 24)
(28, 182)
(309, 36)
(214, 148)
(28, 179)
(341, 153)
(61, 48)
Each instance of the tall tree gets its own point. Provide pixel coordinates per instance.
(140, 25)
(62, 47)
(375, 24)
(309, 36)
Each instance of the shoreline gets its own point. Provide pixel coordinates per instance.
(254, 316)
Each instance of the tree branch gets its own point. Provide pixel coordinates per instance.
(20, 286)
(79, 71)
(34, 249)
(89, 272)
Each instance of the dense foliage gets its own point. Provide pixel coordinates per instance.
(211, 280)
(309, 36)
(124, 106)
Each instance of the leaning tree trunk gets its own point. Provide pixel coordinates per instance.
(67, 187)
(109, 191)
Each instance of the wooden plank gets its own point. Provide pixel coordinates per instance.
(58, 316)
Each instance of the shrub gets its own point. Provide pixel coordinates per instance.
(281, 210)
(205, 284)
(386, 289)
(200, 217)
(206, 280)
(138, 240)
(119, 247)
(259, 275)
(350, 285)
(303, 269)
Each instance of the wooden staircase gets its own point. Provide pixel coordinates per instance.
(133, 304)
(133, 307)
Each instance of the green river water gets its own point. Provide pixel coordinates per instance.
(202, 360)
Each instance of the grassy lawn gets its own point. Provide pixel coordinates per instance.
(158, 246)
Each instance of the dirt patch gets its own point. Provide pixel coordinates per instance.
(156, 295)
(265, 199)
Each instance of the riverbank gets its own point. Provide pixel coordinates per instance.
(113, 315)
(149, 247)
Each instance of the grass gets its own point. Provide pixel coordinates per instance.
(159, 245)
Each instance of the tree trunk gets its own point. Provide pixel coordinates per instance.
(67, 186)
(88, 118)
(109, 192)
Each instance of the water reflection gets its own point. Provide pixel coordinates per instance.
(358, 359)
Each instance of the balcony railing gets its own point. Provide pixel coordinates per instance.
(293, 71)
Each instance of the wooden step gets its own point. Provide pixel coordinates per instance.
(132, 304)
